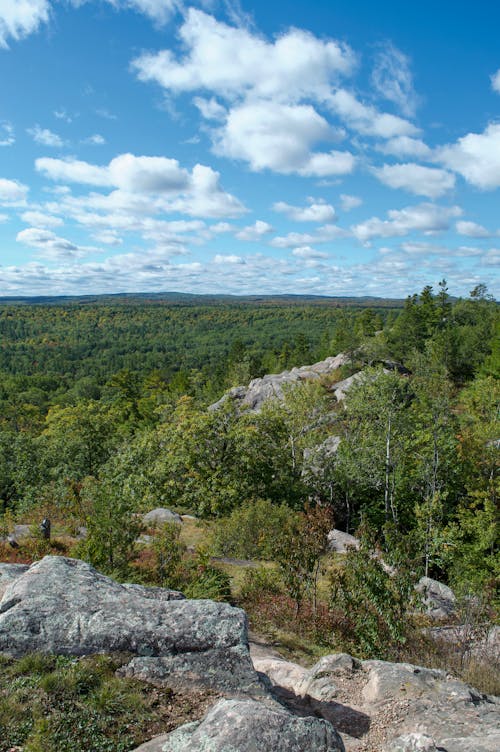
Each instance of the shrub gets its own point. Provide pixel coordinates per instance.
(250, 530)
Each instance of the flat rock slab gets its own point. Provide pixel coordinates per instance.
(64, 606)
(249, 726)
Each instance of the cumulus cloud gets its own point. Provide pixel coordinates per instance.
(280, 137)
(220, 258)
(45, 137)
(366, 119)
(476, 157)
(306, 252)
(255, 232)
(393, 80)
(95, 140)
(19, 18)
(405, 146)
(414, 178)
(12, 192)
(317, 211)
(7, 137)
(51, 247)
(272, 92)
(425, 218)
(472, 230)
(40, 219)
(324, 234)
(210, 109)
(349, 202)
(233, 61)
(495, 81)
(147, 184)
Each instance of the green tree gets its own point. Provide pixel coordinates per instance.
(112, 527)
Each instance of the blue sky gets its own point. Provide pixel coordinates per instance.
(321, 147)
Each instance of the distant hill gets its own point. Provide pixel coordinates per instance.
(182, 298)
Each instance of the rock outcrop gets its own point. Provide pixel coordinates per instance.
(438, 599)
(388, 707)
(64, 606)
(339, 542)
(253, 396)
(9, 573)
(160, 516)
(248, 726)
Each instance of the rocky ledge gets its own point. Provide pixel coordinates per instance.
(64, 606)
(379, 706)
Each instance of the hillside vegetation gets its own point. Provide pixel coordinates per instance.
(103, 415)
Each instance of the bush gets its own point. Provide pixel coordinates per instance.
(251, 530)
(370, 606)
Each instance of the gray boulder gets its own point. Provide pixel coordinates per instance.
(9, 573)
(64, 606)
(339, 542)
(438, 599)
(253, 396)
(160, 516)
(249, 726)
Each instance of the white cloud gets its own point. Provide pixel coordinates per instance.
(393, 80)
(348, 202)
(95, 140)
(472, 230)
(495, 81)
(229, 259)
(51, 247)
(158, 10)
(255, 232)
(233, 62)
(279, 137)
(62, 114)
(317, 211)
(411, 177)
(7, 137)
(476, 157)
(19, 18)
(324, 234)
(491, 257)
(39, 219)
(45, 136)
(145, 185)
(210, 108)
(73, 171)
(12, 192)
(405, 146)
(306, 252)
(108, 237)
(366, 119)
(425, 218)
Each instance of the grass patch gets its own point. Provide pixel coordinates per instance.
(61, 704)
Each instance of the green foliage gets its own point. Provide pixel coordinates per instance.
(112, 527)
(472, 547)
(168, 551)
(57, 704)
(371, 604)
(250, 531)
(202, 580)
(298, 551)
